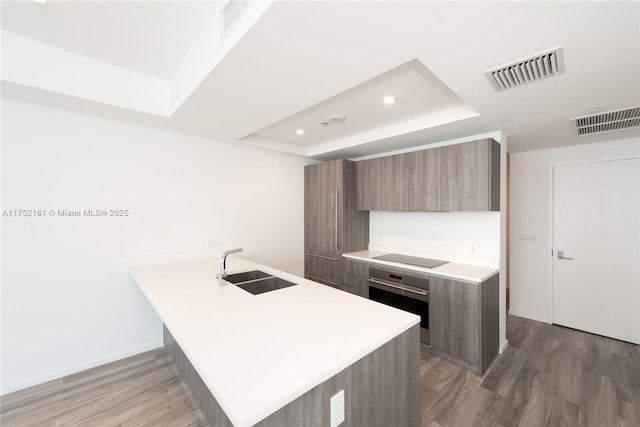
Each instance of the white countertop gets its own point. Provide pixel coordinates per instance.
(257, 353)
(451, 270)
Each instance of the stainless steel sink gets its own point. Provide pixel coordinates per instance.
(265, 285)
(257, 282)
(246, 276)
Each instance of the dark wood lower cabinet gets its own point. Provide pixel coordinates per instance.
(464, 318)
(454, 311)
(464, 321)
(347, 275)
(354, 278)
(323, 269)
(382, 389)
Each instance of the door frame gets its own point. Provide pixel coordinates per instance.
(550, 220)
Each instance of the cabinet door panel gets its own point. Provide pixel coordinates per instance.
(322, 270)
(471, 176)
(354, 277)
(380, 184)
(321, 208)
(489, 321)
(423, 175)
(454, 318)
(368, 184)
(354, 225)
(393, 186)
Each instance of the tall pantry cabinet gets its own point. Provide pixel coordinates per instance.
(332, 225)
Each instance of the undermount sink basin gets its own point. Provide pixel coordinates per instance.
(257, 282)
(246, 276)
(265, 285)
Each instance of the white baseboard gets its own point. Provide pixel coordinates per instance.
(528, 316)
(10, 388)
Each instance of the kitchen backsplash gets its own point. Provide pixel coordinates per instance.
(466, 237)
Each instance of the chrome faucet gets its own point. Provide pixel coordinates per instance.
(223, 261)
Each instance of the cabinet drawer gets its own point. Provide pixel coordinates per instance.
(355, 283)
(322, 269)
(356, 267)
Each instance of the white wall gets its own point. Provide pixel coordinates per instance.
(529, 220)
(68, 302)
(468, 237)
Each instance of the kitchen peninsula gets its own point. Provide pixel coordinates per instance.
(280, 357)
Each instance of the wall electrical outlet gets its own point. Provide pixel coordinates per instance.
(528, 237)
(212, 243)
(337, 409)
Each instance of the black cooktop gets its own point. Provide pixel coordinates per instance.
(411, 260)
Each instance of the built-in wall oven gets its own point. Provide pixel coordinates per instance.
(404, 291)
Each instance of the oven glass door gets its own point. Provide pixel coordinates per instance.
(412, 305)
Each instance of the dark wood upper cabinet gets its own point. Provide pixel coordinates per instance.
(393, 195)
(423, 171)
(471, 176)
(379, 186)
(461, 177)
(369, 184)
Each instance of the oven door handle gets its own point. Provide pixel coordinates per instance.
(402, 288)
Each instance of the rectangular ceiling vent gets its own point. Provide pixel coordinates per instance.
(231, 13)
(529, 70)
(607, 122)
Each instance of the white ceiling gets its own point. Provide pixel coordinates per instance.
(418, 94)
(290, 65)
(149, 37)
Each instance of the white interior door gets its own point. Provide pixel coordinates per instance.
(596, 248)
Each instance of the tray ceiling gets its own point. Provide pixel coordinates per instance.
(285, 66)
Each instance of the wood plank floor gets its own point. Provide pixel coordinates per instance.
(142, 390)
(548, 376)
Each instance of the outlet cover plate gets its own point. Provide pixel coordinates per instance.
(337, 409)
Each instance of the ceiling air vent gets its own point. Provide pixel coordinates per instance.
(527, 70)
(607, 122)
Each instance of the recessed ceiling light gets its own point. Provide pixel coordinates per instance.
(388, 100)
(300, 132)
(40, 1)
